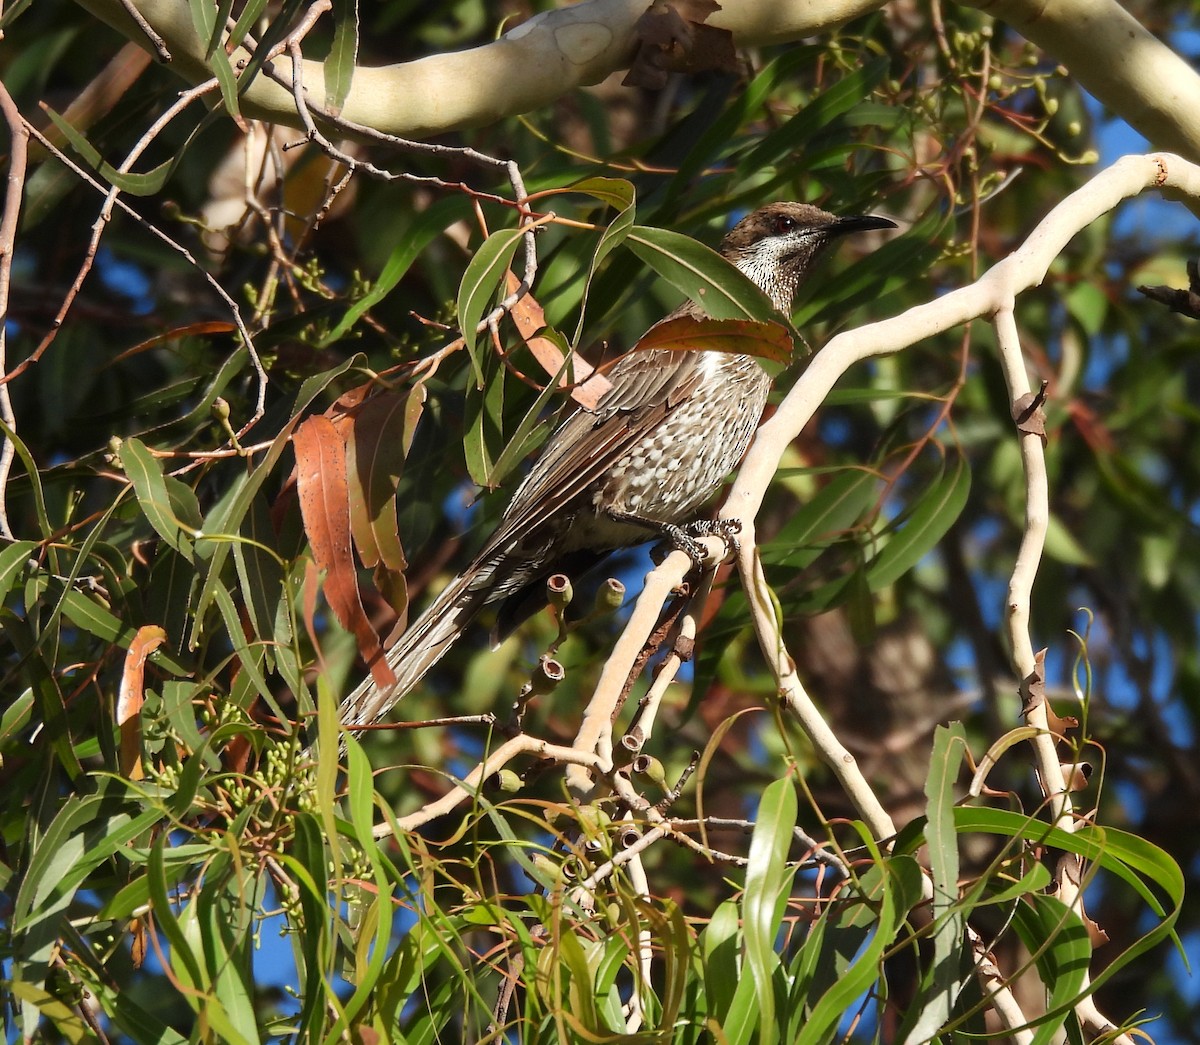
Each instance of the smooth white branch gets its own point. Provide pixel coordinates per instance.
(1104, 47)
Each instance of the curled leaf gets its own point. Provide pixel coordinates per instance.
(1033, 686)
(1075, 775)
(989, 760)
(1028, 413)
(673, 37)
(132, 696)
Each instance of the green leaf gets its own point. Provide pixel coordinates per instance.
(746, 104)
(204, 20)
(35, 484)
(249, 16)
(250, 657)
(933, 514)
(1132, 859)
(721, 289)
(131, 1018)
(612, 237)
(1058, 940)
(15, 716)
(146, 184)
(84, 834)
(483, 276)
(84, 612)
(43, 686)
(375, 930)
(224, 9)
(838, 506)
(13, 562)
(816, 115)
(343, 55)
(307, 866)
(768, 880)
(525, 435)
(42, 1006)
(1087, 303)
(224, 910)
(260, 577)
(485, 424)
(949, 941)
(419, 232)
(280, 25)
(146, 474)
(1062, 545)
(888, 888)
(721, 946)
(618, 193)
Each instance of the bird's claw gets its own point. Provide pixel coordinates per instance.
(684, 539)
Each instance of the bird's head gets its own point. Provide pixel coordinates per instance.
(777, 245)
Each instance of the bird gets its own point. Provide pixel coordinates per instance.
(638, 466)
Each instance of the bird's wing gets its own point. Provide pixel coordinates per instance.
(647, 387)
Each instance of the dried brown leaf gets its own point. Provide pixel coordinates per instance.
(673, 37)
(1075, 775)
(131, 697)
(1033, 693)
(1028, 414)
(1096, 935)
(529, 318)
(1059, 724)
(1033, 687)
(742, 336)
(137, 942)
(325, 507)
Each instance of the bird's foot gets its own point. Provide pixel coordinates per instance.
(684, 537)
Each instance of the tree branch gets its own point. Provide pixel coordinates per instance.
(1135, 74)
(994, 295)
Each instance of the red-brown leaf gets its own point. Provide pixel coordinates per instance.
(529, 318)
(688, 333)
(201, 329)
(325, 508)
(132, 695)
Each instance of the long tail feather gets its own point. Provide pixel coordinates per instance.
(425, 642)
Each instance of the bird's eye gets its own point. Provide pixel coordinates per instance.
(783, 223)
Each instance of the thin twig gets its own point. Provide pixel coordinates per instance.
(147, 30)
(183, 252)
(102, 220)
(513, 172)
(497, 760)
(15, 190)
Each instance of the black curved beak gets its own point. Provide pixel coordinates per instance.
(860, 223)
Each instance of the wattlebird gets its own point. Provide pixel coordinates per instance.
(656, 447)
